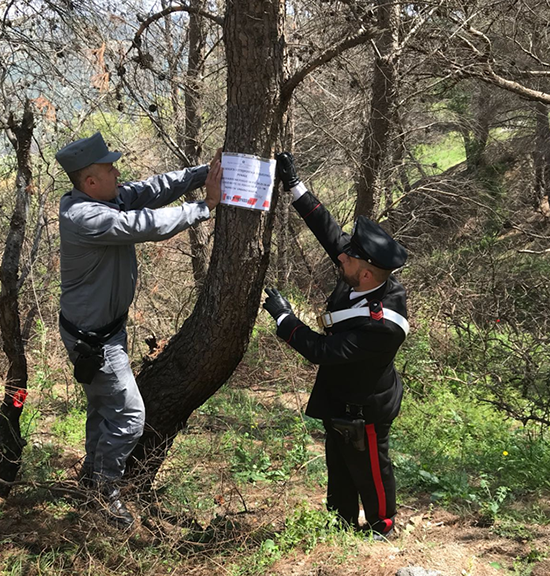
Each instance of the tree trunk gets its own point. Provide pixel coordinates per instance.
(377, 135)
(11, 442)
(477, 134)
(188, 135)
(541, 155)
(212, 341)
(198, 236)
(284, 240)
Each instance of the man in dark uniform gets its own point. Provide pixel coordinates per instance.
(357, 392)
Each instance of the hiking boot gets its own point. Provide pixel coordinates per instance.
(114, 509)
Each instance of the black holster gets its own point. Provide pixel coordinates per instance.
(90, 360)
(352, 430)
(89, 345)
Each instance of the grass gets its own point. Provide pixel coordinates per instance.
(245, 453)
(463, 452)
(435, 159)
(251, 472)
(68, 428)
(244, 486)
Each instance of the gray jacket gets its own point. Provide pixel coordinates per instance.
(98, 258)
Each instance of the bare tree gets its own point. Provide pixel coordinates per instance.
(376, 140)
(541, 154)
(20, 133)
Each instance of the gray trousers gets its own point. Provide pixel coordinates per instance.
(116, 413)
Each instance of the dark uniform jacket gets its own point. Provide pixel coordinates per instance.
(355, 355)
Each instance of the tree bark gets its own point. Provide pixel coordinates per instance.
(541, 154)
(212, 341)
(284, 240)
(377, 136)
(188, 121)
(11, 442)
(198, 236)
(476, 132)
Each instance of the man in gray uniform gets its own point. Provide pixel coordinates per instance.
(99, 223)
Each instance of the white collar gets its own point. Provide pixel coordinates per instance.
(353, 294)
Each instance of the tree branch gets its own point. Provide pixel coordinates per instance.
(364, 36)
(526, 251)
(170, 10)
(491, 77)
(420, 21)
(530, 53)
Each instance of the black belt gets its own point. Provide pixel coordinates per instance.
(94, 337)
(355, 410)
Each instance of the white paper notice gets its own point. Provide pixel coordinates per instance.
(247, 181)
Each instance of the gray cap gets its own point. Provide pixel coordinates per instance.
(86, 151)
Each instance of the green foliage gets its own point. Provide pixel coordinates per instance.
(15, 564)
(435, 159)
(495, 335)
(492, 501)
(41, 463)
(29, 421)
(70, 428)
(307, 527)
(187, 486)
(253, 464)
(457, 449)
(524, 565)
(304, 529)
(280, 454)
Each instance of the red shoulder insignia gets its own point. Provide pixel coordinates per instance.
(376, 310)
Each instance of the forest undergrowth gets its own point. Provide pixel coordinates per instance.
(243, 490)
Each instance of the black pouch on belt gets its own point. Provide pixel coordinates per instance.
(89, 345)
(352, 430)
(90, 360)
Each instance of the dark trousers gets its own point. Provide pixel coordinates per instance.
(367, 474)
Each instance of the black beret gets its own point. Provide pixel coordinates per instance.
(372, 243)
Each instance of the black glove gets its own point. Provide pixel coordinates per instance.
(286, 170)
(275, 304)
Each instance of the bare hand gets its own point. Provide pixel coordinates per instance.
(213, 181)
(217, 157)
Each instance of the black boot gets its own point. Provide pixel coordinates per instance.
(114, 508)
(378, 537)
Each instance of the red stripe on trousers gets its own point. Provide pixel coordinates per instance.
(375, 467)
